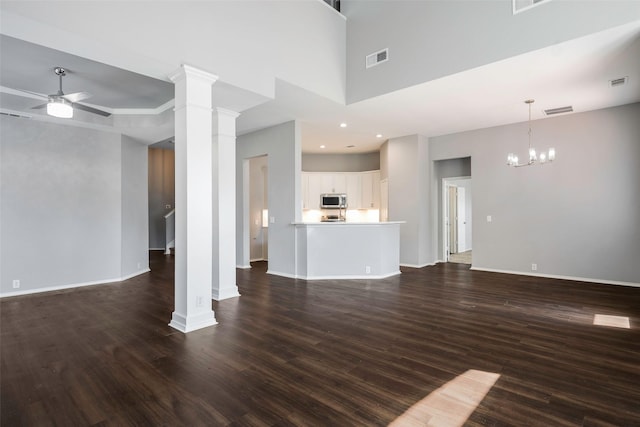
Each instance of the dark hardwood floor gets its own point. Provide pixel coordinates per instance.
(335, 353)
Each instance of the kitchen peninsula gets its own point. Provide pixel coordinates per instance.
(347, 250)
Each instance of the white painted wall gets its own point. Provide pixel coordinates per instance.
(134, 257)
(301, 42)
(282, 145)
(452, 36)
(64, 193)
(577, 217)
(407, 166)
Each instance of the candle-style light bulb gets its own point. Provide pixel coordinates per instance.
(552, 154)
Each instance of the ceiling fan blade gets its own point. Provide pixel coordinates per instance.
(78, 96)
(37, 107)
(91, 110)
(39, 95)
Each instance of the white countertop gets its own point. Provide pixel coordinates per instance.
(343, 223)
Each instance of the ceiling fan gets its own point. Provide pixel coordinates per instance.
(62, 105)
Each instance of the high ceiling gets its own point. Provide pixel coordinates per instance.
(573, 73)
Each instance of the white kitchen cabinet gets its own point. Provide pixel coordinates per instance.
(339, 183)
(370, 193)
(353, 191)
(362, 188)
(314, 189)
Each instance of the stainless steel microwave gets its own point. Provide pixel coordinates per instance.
(333, 201)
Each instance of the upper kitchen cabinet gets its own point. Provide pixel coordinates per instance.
(362, 188)
(353, 191)
(370, 190)
(316, 183)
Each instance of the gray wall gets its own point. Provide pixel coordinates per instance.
(161, 193)
(62, 205)
(577, 217)
(482, 32)
(356, 162)
(446, 169)
(282, 145)
(135, 208)
(407, 161)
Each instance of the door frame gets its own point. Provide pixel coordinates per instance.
(444, 209)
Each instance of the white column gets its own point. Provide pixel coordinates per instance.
(224, 204)
(193, 200)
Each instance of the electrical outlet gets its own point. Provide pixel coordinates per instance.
(167, 206)
(367, 269)
(16, 284)
(198, 301)
(139, 265)
(534, 267)
(489, 219)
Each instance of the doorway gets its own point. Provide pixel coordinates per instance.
(258, 209)
(457, 224)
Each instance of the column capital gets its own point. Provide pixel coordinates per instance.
(225, 112)
(189, 71)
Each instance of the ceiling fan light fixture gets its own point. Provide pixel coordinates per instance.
(60, 108)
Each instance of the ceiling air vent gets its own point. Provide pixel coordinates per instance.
(618, 82)
(552, 111)
(377, 58)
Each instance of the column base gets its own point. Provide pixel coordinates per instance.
(226, 293)
(192, 323)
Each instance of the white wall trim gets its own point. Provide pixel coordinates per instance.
(557, 276)
(350, 277)
(353, 277)
(71, 286)
(243, 267)
(137, 273)
(157, 249)
(277, 273)
(256, 259)
(429, 264)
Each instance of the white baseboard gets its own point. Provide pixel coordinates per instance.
(243, 267)
(557, 276)
(257, 259)
(337, 277)
(418, 265)
(157, 249)
(278, 273)
(71, 286)
(351, 277)
(137, 273)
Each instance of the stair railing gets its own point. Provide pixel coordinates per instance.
(170, 231)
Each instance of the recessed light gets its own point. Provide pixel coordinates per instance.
(350, 146)
(379, 135)
(343, 125)
(322, 146)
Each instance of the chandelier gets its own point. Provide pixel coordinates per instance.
(544, 157)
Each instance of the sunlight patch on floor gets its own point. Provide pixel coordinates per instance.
(613, 321)
(450, 405)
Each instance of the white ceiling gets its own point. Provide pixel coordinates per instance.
(572, 73)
